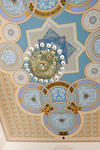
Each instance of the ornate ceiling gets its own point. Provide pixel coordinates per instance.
(50, 70)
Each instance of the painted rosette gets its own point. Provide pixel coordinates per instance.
(10, 56)
(92, 70)
(20, 77)
(89, 94)
(93, 46)
(62, 123)
(42, 9)
(79, 6)
(14, 10)
(29, 98)
(11, 32)
(91, 20)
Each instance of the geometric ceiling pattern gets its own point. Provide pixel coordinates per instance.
(50, 70)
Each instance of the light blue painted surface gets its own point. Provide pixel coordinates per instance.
(64, 18)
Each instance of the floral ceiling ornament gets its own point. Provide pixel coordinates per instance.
(44, 62)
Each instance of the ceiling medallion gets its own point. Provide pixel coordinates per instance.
(44, 62)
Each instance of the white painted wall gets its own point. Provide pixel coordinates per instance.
(51, 146)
